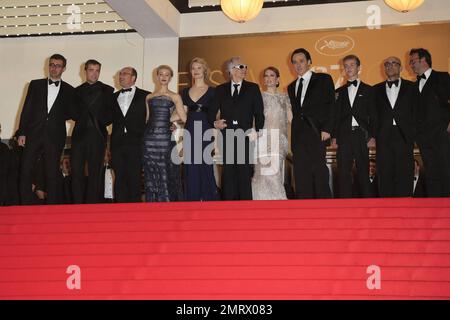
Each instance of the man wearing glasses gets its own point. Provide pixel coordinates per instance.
(42, 129)
(129, 112)
(395, 132)
(240, 104)
(432, 115)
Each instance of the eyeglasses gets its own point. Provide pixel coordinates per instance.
(240, 66)
(388, 64)
(53, 65)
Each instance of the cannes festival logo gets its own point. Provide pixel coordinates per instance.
(334, 45)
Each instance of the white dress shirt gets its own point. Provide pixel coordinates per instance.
(306, 78)
(416, 179)
(52, 94)
(124, 99)
(352, 90)
(423, 81)
(238, 88)
(392, 94)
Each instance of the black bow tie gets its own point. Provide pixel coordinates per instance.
(125, 90)
(50, 82)
(423, 76)
(415, 178)
(390, 83)
(354, 82)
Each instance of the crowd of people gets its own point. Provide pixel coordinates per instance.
(246, 127)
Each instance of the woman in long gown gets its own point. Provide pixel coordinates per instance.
(199, 180)
(162, 174)
(272, 146)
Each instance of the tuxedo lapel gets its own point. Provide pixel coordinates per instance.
(228, 89)
(131, 103)
(58, 97)
(347, 105)
(45, 94)
(384, 95)
(401, 93)
(117, 105)
(291, 93)
(243, 88)
(428, 83)
(312, 83)
(359, 94)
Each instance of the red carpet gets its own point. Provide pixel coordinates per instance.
(228, 250)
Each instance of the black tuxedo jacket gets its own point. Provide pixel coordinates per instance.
(318, 105)
(97, 109)
(363, 111)
(246, 108)
(36, 121)
(133, 121)
(433, 107)
(403, 111)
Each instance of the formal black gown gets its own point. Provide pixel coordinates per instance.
(199, 181)
(161, 174)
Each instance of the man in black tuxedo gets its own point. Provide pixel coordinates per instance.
(128, 119)
(395, 100)
(42, 129)
(94, 100)
(432, 115)
(240, 104)
(312, 100)
(354, 130)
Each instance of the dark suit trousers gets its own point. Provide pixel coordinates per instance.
(236, 175)
(89, 151)
(127, 165)
(436, 159)
(395, 165)
(355, 149)
(51, 156)
(311, 173)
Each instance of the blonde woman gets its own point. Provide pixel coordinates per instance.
(162, 175)
(199, 181)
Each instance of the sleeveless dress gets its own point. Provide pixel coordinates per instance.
(199, 181)
(272, 148)
(161, 174)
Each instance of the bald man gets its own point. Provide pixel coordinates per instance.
(395, 132)
(128, 120)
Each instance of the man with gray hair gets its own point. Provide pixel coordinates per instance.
(240, 104)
